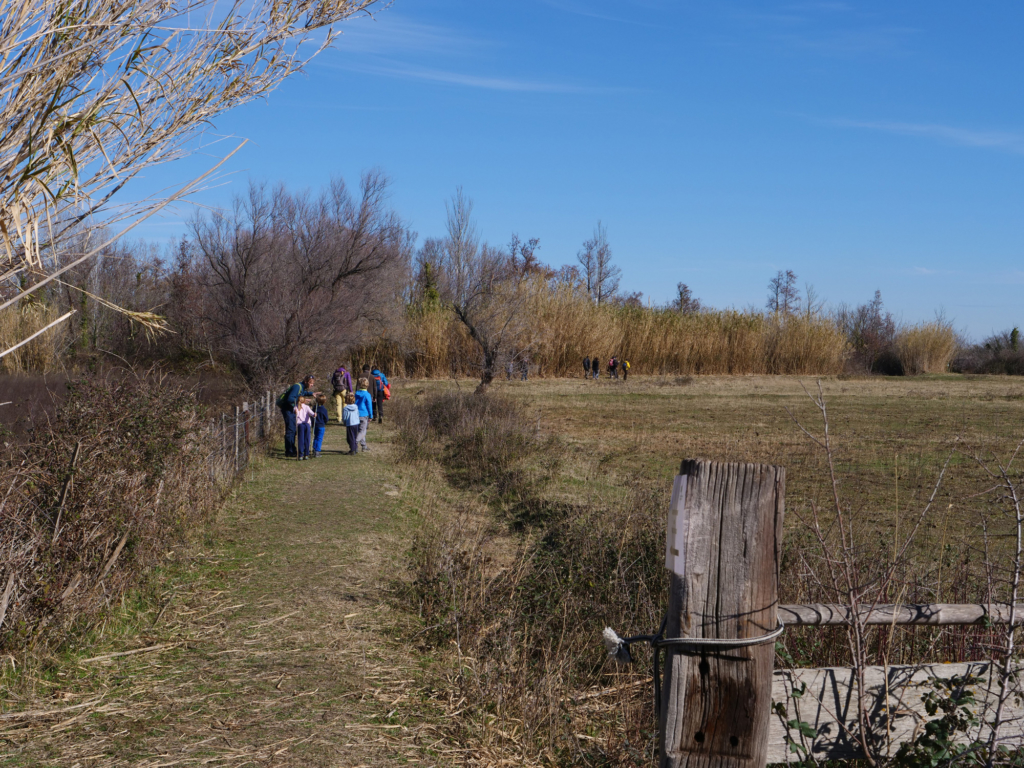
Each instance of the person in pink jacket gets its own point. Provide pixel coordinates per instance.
(304, 427)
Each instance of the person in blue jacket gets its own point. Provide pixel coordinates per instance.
(287, 402)
(365, 404)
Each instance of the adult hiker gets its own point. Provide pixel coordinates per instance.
(586, 367)
(613, 368)
(381, 391)
(287, 402)
(341, 380)
(625, 369)
(595, 366)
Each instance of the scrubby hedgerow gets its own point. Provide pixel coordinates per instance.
(521, 601)
(93, 499)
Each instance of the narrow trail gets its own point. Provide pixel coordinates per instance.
(277, 646)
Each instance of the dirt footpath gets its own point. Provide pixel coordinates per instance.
(277, 646)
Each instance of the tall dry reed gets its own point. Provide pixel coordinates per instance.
(43, 353)
(928, 347)
(565, 327)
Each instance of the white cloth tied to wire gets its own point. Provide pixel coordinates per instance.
(618, 647)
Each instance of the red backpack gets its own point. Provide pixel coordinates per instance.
(383, 387)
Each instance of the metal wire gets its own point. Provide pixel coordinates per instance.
(658, 641)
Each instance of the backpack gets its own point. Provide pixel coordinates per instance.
(338, 381)
(282, 398)
(625, 365)
(382, 385)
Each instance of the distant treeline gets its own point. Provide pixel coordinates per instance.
(285, 283)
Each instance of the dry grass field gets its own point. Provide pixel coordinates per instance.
(545, 522)
(891, 435)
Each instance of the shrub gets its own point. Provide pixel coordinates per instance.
(999, 353)
(93, 499)
(871, 333)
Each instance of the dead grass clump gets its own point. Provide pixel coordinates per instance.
(928, 347)
(481, 439)
(93, 499)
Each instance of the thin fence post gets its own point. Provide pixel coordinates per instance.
(223, 442)
(245, 433)
(237, 412)
(725, 538)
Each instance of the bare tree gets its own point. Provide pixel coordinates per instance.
(783, 295)
(684, 302)
(871, 332)
(483, 287)
(92, 93)
(602, 277)
(293, 279)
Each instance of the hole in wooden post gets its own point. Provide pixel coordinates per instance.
(734, 741)
(704, 667)
(699, 737)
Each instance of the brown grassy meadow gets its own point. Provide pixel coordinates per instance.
(528, 552)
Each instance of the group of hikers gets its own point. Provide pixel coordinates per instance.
(592, 367)
(306, 417)
(305, 411)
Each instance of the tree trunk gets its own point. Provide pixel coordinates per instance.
(487, 375)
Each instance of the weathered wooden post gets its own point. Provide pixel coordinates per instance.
(237, 417)
(724, 541)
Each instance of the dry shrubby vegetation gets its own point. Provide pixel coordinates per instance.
(520, 608)
(531, 544)
(119, 478)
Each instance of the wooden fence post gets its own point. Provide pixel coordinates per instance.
(237, 412)
(717, 701)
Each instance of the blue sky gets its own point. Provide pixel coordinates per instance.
(862, 145)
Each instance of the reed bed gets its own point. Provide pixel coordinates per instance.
(565, 328)
(928, 347)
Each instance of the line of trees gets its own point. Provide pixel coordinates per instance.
(282, 283)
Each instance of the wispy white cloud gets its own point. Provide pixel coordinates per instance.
(592, 11)
(393, 34)
(923, 271)
(826, 28)
(410, 72)
(823, 6)
(999, 140)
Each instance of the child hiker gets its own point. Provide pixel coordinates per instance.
(320, 426)
(350, 417)
(303, 423)
(365, 403)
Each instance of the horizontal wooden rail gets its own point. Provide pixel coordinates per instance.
(828, 703)
(933, 614)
